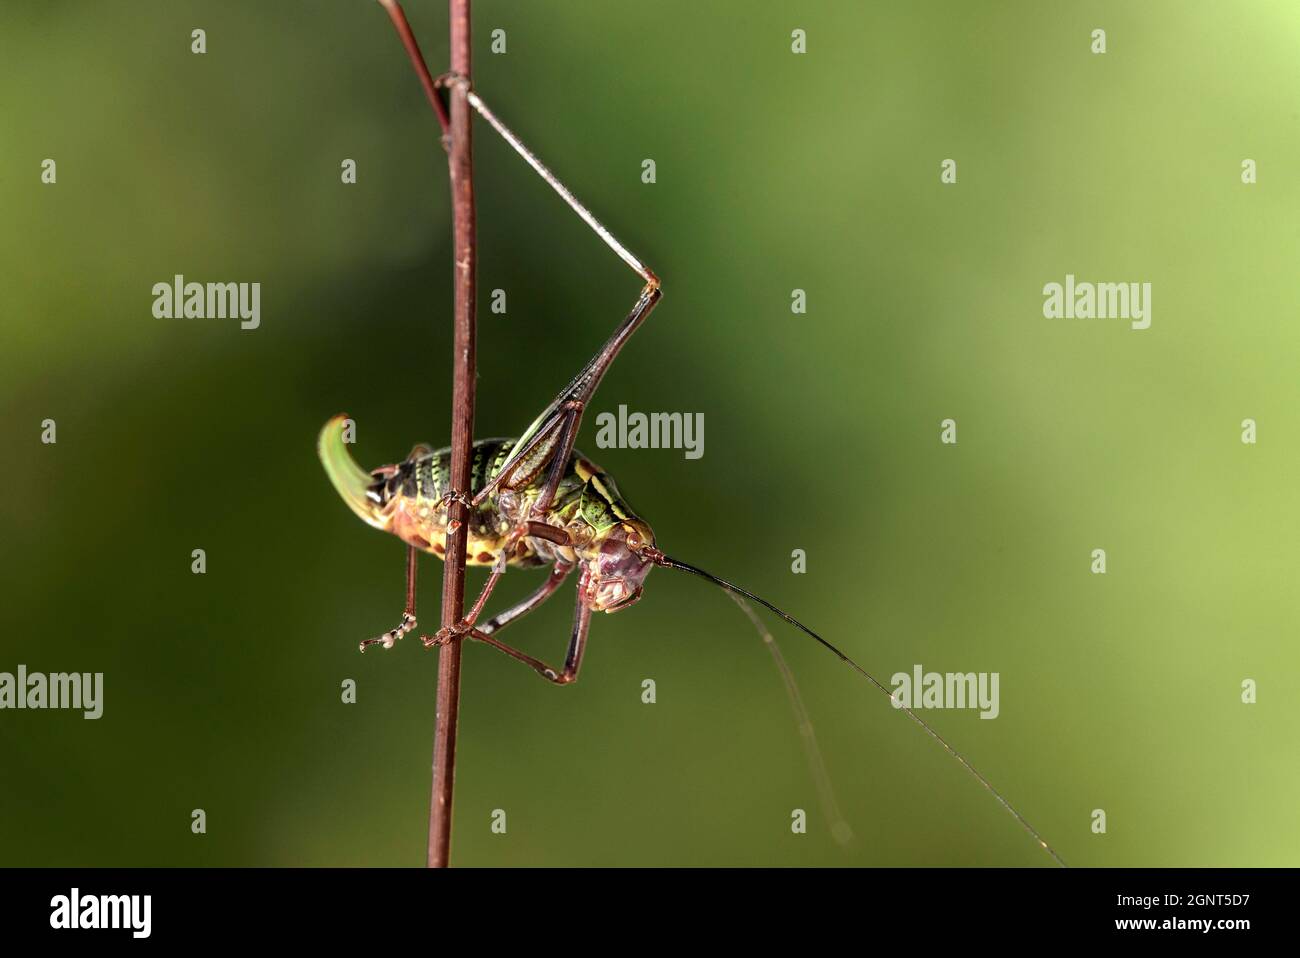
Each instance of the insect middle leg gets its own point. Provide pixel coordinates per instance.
(520, 609)
(577, 642)
(572, 660)
(540, 530)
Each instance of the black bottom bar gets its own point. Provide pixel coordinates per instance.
(383, 907)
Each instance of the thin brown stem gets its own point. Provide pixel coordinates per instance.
(398, 16)
(460, 162)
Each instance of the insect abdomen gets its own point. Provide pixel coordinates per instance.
(411, 497)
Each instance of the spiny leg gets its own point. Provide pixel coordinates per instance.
(550, 438)
(559, 428)
(572, 661)
(530, 528)
(521, 609)
(552, 434)
(574, 203)
(408, 622)
(447, 632)
(408, 614)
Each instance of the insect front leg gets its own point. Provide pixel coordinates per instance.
(572, 661)
(521, 609)
(449, 632)
(408, 623)
(502, 619)
(541, 530)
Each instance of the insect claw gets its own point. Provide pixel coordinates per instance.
(389, 638)
(386, 640)
(446, 634)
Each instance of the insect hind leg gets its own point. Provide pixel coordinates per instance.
(550, 437)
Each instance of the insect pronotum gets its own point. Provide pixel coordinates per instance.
(538, 502)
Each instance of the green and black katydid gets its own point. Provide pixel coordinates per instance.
(536, 501)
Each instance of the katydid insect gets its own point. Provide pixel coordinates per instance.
(536, 501)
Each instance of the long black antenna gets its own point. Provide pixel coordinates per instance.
(670, 563)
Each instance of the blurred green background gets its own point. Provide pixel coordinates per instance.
(775, 171)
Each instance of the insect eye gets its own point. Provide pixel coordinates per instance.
(633, 540)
